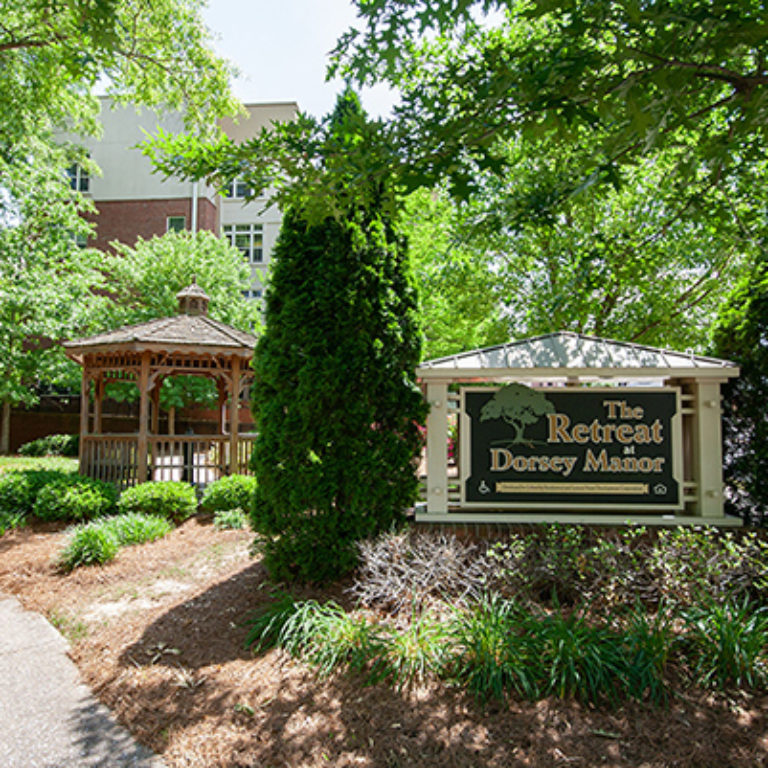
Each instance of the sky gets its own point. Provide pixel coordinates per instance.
(281, 49)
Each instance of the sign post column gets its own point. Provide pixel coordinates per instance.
(707, 448)
(437, 448)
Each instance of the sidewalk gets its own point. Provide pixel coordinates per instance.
(49, 718)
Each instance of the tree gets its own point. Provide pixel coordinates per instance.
(519, 406)
(634, 263)
(741, 334)
(52, 58)
(622, 79)
(335, 402)
(143, 281)
(46, 281)
(53, 55)
(460, 302)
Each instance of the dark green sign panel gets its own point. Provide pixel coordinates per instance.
(607, 448)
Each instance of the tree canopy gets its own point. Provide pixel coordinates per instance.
(621, 79)
(54, 54)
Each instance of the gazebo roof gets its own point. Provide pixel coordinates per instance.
(180, 333)
(573, 354)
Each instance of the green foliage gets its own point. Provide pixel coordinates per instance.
(75, 498)
(174, 501)
(491, 657)
(16, 494)
(335, 401)
(739, 335)
(144, 280)
(99, 541)
(460, 297)
(234, 519)
(231, 492)
(620, 79)
(91, 544)
(11, 520)
(51, 445)
(52, 58)
(137, 528)
(728, 643)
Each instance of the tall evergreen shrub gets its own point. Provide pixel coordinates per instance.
(741, 334)
(335, 400)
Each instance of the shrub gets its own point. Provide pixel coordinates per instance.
(137, 528)
(90, 544)
(51, 445)
(98, 542)
(728, 643)
(75, 498)
(172, 500)
(230, 518)
(490, 656)
(404, 569)
(16, 494)
(11, 520)
(232, 492)
(19, 489)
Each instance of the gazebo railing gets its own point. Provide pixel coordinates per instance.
(197, 459)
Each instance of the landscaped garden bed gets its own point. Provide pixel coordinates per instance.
(159, 634)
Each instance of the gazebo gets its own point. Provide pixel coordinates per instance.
(189, 344)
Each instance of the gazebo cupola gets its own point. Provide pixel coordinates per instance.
(193, 300)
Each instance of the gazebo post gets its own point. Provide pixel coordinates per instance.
(98, 404)
(155, 429)
(234, 415)
(143, 441)
(221, 388)
(84, 408)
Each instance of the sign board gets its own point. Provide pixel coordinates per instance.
(607, 448)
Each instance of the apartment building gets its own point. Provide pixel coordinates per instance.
(132, 201)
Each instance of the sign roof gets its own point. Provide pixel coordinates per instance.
(571, 352)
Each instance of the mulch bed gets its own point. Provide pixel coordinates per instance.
(158, 634)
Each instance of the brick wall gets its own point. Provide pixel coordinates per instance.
(127, 220)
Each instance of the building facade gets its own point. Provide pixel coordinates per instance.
(132, 201)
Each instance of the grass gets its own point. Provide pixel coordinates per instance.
(59, 463)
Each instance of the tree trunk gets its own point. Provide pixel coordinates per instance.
(5, 430)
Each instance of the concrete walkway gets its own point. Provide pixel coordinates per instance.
(48, 718)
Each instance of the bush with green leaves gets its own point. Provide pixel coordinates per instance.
(52, 445)
(75, 498)
(137, 528)
(231, 492)
(727, 643)
(232, 519)
(174, 501)
(335, 399)
(90, 544)
(19, 489)
(99, 541)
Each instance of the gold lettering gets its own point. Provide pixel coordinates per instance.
(558, 428)
(625, 433)
(501, 459)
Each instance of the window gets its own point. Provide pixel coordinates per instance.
(176, 223)
(79, 180)
(254, 293)
(247, 238)
(237, 189)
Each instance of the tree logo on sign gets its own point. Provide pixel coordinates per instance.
(519, 406)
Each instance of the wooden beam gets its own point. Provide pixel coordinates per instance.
(143, 442)
(85, 404)
(234, 416)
